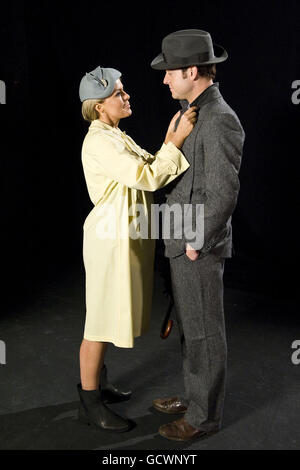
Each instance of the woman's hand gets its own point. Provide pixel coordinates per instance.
(170, 130)
(184, 128)
(190, 252)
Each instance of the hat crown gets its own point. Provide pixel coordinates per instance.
(188, 47)
(98, 76)
(98, 84)
(186, 43)
(195, 38)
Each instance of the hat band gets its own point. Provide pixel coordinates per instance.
(192, 59)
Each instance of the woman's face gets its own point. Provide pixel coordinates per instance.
(116, 106)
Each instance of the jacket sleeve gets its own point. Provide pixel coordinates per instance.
(223, 139)
(106, 156)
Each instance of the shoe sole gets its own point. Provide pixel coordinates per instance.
(207, 434)
(84, 420)
(169, 412)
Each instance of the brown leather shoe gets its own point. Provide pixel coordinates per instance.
(169, 405)
(181, 430)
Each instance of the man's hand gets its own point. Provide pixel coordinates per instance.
(190, 252)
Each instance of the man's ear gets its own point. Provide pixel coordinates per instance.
(194, 72)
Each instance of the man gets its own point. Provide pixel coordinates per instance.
(214, 151)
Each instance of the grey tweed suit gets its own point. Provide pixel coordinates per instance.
(214, 151)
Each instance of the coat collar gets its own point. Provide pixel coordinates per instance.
(102, 125)
(209, 94)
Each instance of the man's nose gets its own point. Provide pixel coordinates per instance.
(165, 80)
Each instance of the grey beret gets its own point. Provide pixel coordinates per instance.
(98, 83)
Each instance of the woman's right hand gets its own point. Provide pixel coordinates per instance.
(184, 128)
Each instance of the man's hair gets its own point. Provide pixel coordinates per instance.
(88, 110)
(208, 71)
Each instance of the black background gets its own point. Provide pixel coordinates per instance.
(46, 48)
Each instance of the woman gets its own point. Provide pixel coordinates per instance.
(120, 177)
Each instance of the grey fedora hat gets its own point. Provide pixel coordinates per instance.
(98, 83)
(188, 47)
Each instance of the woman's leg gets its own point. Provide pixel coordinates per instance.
(92, 409)
(91, 362)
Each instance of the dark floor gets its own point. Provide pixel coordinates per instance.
(38, 382)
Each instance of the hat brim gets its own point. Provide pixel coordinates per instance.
(159, 63)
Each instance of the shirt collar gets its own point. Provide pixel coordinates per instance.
(209, 94)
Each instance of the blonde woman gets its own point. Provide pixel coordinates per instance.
(118, 259)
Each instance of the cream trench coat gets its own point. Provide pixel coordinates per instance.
(118, 258)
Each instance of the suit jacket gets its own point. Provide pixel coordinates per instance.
(214, 152)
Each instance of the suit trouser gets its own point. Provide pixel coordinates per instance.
(198, 300)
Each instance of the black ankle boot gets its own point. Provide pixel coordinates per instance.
(110, 393)
(92, 410)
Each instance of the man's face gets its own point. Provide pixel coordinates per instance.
(179, 85)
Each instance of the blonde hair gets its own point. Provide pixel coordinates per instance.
(88, 110)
